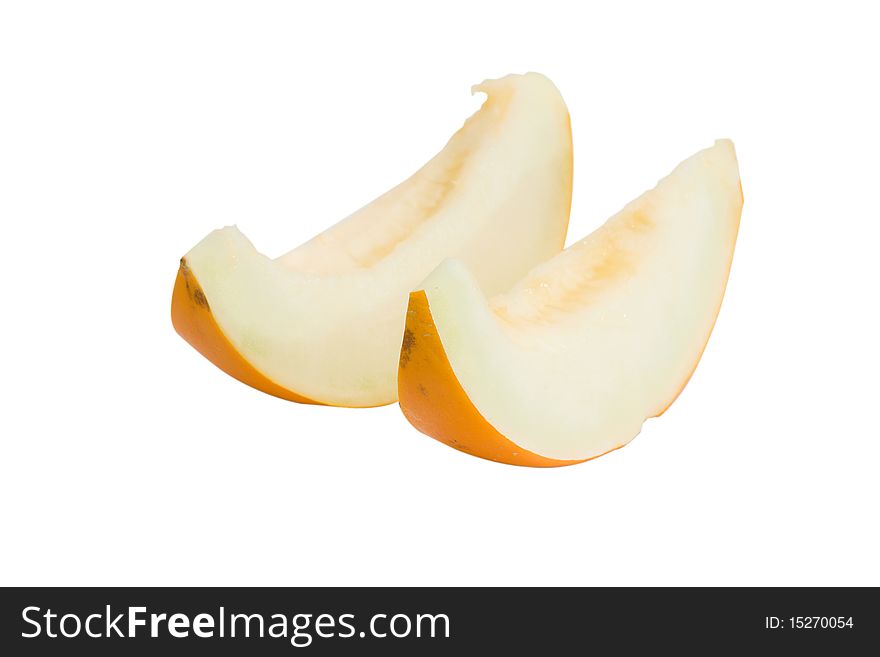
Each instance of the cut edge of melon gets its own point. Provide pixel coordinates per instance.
(193, 320)
(690, 375)
(434, 402)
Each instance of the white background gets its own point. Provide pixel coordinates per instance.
(128, 131)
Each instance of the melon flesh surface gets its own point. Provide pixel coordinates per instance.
(569, 362)
(325, 320)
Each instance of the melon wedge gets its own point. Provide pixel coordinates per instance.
(323, 323)
(567, 364)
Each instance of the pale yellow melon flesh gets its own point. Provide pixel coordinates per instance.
(324, 322)
(568, 363)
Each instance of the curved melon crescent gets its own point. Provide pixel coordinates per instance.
(323, 323)
(567, 364)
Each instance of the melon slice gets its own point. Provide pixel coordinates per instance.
(567, 364)
(323, 323)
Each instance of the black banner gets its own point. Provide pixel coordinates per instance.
(276, 621)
